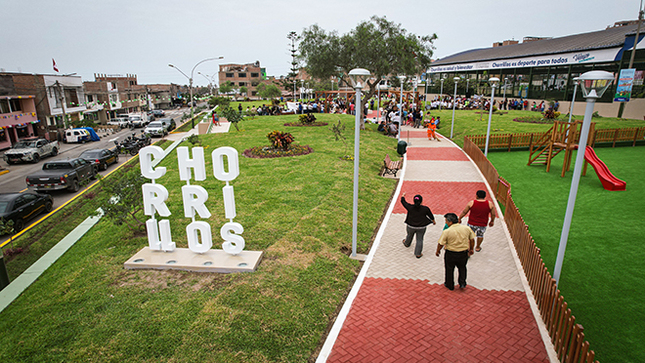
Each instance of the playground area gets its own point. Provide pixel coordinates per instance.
(601, 277)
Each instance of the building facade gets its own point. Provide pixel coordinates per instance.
(248, 75)
(544, 68)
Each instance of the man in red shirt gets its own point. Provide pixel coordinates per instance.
(479, 209)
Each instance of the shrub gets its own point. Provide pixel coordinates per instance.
(551, 115)
(307, 118)
(280, 140)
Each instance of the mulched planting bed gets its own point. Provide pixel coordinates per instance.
(262, 152)
(301, 124)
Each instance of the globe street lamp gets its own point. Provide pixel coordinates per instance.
(358, 77)
(398, 135)
(594, 84)
(190, 81)
(379, 87)
(454, 103)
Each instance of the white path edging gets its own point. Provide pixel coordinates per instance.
(22, 282)
(342, 315)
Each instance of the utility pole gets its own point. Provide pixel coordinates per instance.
(621, 107)
(61, 98)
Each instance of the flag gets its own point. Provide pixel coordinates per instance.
(55, 68)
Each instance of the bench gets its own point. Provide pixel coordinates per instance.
(391, 167)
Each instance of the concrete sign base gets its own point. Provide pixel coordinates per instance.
(187, 260)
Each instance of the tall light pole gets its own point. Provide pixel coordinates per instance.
(398, 135)
(505, 85)
(210, 81)
(454, 103)
(378, 107)
(441, 93)
(294, 90)
(493, 83)
(576, 82)
(190, 81)
(594, 84)
(302, 85)
(358, 76)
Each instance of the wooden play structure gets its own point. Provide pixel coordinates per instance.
(563, 136)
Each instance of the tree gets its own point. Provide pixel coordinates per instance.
(223, 102)
(268, 91)
(233, 116)
(244, 91)
(378, 45)
(122, 201)
(226, 87)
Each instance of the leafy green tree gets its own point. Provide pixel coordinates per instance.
(123, 199)
(244, 91)
(222, 102)
(269, 91)
(226, 87)
(378, 45)
(233, 116)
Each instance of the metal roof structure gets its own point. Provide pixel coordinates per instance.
(613, 37)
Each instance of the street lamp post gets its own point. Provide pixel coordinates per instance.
(493, 83)
(190, 81)
(454, 103)
(398, 135)
(302, 85)
(576, 82)
(210, 81)
(441, 93)
(594, 84)
(294, 90)
(505, 85)
(358, 76)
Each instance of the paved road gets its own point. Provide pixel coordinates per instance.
(14, 180)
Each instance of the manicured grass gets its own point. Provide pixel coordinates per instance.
(471, 123)
(297, 210)
(602, 275)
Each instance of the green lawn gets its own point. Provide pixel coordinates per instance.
(297, 210)
(602, 275)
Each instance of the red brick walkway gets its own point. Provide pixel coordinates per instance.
(414, 321)
(401, 312)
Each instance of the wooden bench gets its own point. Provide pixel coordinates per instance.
(391, 167)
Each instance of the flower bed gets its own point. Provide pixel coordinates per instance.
(263, 152)
(533, 120)
(301, 124)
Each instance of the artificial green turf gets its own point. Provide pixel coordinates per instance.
(602, 274)
(297, 210)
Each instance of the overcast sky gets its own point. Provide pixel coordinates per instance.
(142, 37)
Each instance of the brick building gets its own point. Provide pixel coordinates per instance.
(248, 75)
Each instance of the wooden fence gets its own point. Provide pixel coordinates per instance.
(525, 140)
(567, 336)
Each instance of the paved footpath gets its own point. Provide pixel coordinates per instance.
(399, 311)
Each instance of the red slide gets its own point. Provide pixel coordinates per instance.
(608, 180)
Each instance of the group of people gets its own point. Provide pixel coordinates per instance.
(459, 241)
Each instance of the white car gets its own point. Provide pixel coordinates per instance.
(136, 121)
(156, 128)
(118, 121)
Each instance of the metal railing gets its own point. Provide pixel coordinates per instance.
(567, 337)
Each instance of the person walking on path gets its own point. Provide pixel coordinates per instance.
(432, 127)
(458, 241)
(479, 209)
(418, 218)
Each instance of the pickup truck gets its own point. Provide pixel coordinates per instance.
(31, 150)
(62, 174)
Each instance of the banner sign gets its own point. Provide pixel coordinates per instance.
(624, 86)
(584, 57)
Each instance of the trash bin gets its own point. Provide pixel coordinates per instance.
(401, 147)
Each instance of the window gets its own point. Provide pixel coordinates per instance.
(90, 98)
(255, 83)
(4, 106)
(255, 75)
(242, 83)
(254, 93)
(241, 75)
(16, 106)
(229, 75)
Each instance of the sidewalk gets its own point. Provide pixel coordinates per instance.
(399, 310)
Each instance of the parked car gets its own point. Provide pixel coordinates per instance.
(118, 121)
(136, 121)
(101, 157)
(158, 113)
(151, 116)
(21, 207)
(156, 128)
(62, 174)
(77, 136)
(31, 150)
(169, 123)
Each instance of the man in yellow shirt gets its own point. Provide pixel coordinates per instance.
(459, 242)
